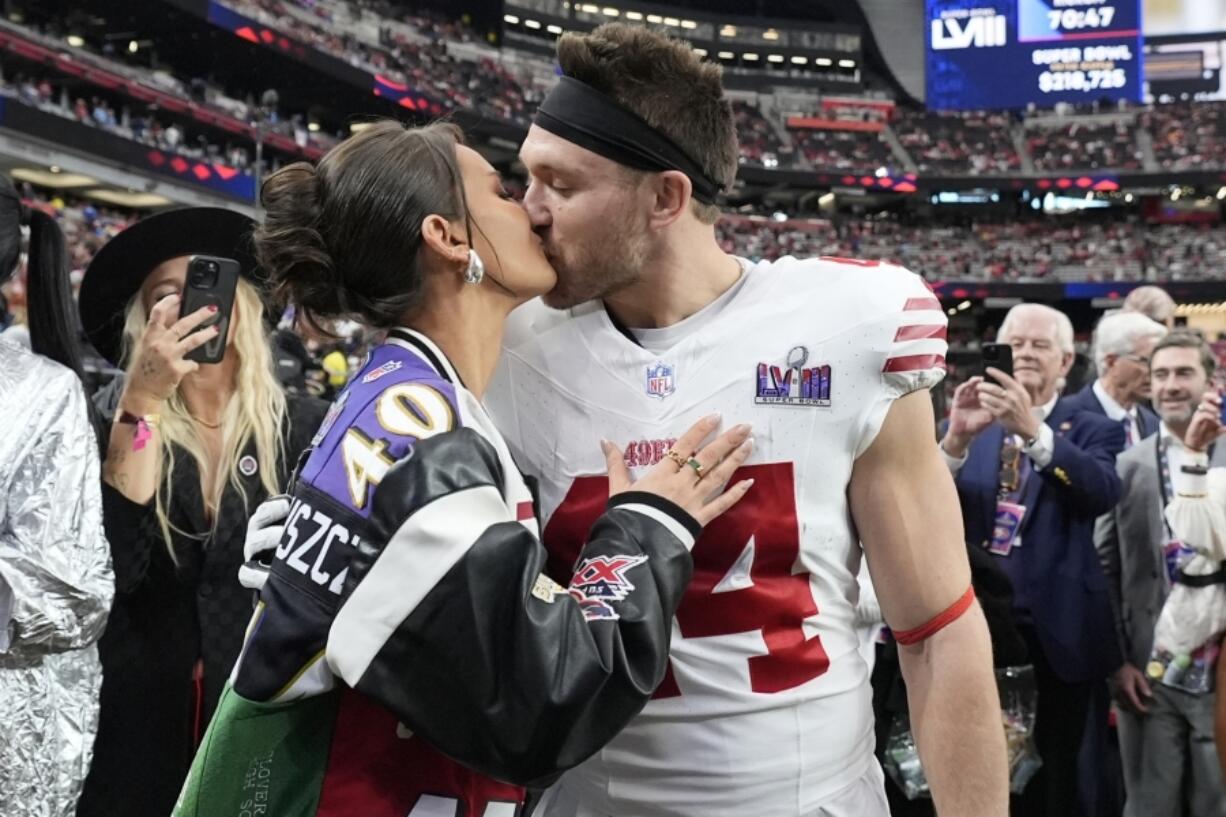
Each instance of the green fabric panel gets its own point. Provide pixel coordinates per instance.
(261, 759)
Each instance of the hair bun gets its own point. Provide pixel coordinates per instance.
(289, 244)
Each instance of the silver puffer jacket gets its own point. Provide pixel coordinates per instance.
(55, 586)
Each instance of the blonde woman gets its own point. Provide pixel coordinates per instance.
(193, 449)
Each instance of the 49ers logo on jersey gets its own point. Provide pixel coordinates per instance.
(599, 582)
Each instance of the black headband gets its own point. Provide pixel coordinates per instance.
(579, 113)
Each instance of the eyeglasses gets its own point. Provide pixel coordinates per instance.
(1010, 467)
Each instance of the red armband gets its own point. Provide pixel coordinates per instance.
(938, 622)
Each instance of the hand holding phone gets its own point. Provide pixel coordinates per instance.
(211, 282)
(998, 356)
(1206, 425)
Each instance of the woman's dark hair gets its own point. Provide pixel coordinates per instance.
(50, 310)
(342, 238)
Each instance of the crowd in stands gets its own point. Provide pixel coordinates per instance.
(759, 141)
(958, 144)
(843, 150)
(421, 61)
(136, 121)
(419, 49)
(1188, 137)
(1079, 145)
(1016, 251)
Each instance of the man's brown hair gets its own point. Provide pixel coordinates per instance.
(665, 83)
(1187, 339)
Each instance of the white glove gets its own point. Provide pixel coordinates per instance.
(264, 531)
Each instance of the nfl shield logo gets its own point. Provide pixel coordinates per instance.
(659, 380)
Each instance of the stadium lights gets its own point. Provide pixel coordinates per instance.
(1128, 197)
(800, 60)
(823, 61)
(727, 55)
(634, 15)
(702, 52)
(133, 47)
(552, 29)
(57, 180)
(775, 58)
(770, 34)
(881, 172)
(358, 127)
(609, 11)
(590, 8)
(847, 63)
(75, 41)
(1221, 193)
(749, 56)
(672, 21)
(825, 200)
(313, 127)
(965, 305)
(510, 18)
(533, 24)
(952, 312)
(1175, 194)
(655, 19)
(689, 25)
(727, 31)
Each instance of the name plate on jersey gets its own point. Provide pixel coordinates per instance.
(316, 545)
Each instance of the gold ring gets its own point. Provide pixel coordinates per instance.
(675, 457)
(696, 465)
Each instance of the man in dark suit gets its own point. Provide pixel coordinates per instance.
(1123, 342)
(1033, 473)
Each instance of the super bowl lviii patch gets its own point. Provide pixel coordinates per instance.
(793, 384)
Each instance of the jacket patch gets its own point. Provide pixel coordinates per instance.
(601, 581)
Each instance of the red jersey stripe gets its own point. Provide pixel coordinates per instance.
(921, 332)
(911, 363)
(914, 304)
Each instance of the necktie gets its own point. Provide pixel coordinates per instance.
(1127, 423)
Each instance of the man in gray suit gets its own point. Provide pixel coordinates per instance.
(1162, 732)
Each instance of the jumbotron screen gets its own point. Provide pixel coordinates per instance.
(1010, 53)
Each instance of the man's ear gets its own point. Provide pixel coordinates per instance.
(672, 192)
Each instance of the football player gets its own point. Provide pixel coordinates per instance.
(766, 706)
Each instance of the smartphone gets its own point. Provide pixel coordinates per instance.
(999, 356)
(1222, 411)
(210, 281)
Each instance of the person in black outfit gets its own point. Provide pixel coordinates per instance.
(192, 450)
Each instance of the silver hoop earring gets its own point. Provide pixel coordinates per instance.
(476, 268)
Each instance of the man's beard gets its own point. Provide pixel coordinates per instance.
(599, 268)
(1177, 417)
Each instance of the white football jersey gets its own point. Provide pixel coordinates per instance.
(766, 709)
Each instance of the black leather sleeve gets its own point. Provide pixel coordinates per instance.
(496, 665)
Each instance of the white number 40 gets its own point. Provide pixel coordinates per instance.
(406, 410)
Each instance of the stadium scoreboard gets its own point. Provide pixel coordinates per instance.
(985, 54)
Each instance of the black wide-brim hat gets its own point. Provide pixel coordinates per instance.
(122, 265)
